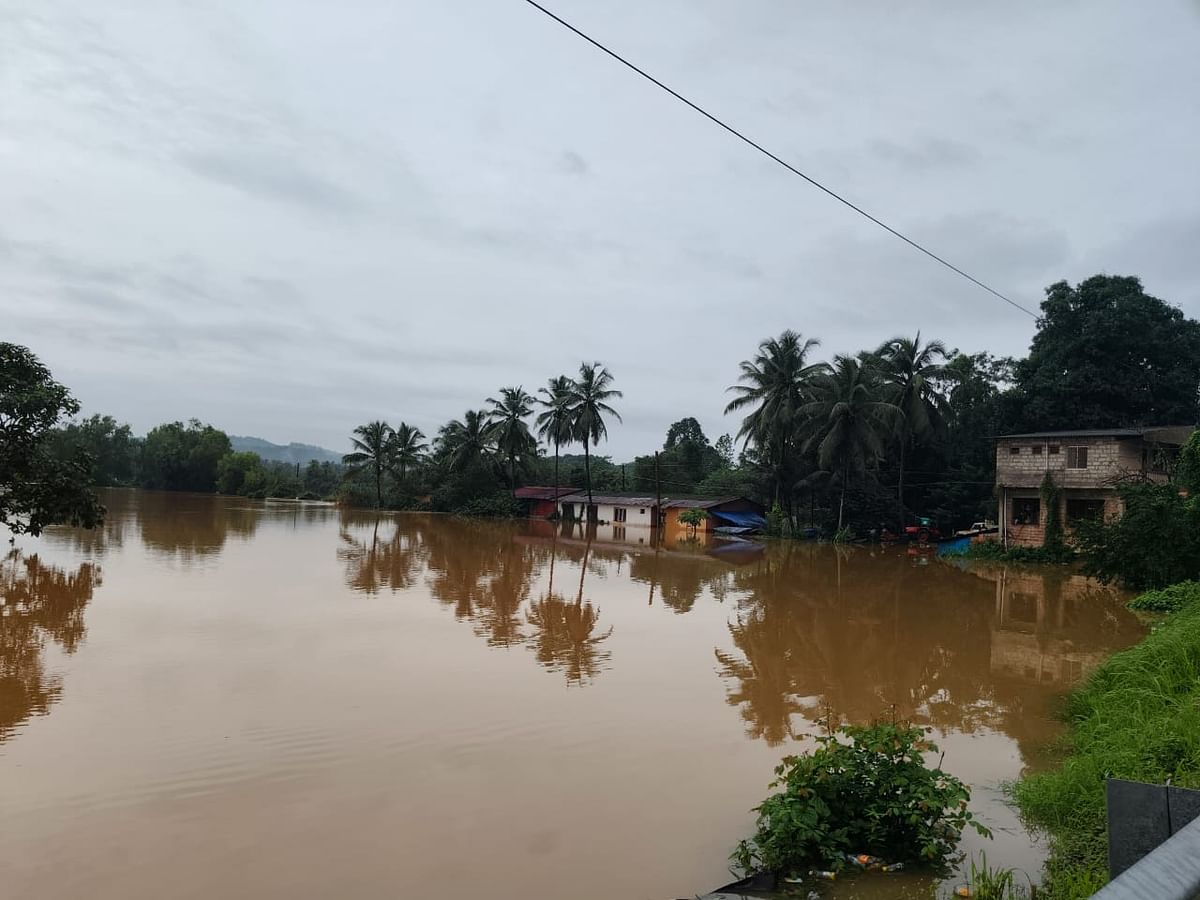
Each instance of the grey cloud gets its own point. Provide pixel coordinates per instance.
(274, 178)
(931, 154)
(573, 164)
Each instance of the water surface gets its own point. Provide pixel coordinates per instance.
(212, 697)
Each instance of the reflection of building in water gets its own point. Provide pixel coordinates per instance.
(1050, 628)
(37, 602)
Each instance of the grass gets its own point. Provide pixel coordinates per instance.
(987, 883)
(994, 551)
(1168, 599)
(1137, 717)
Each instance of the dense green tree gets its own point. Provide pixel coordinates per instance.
(408, 449)
(1155, 543)
(241, 473)
(112, 447)
(848, 423)
(37, 486)
(372, 453)
(509, 431)
(910, 374)
(1107, 355)
(554, 421)
(467, 443)
(321, 479)
(1187, 473)
(775, 386)
(588, 402)
(178, 457)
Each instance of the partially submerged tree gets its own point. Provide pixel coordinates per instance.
(37, 487)
(589, 404)
(509, 431)
(554, 422)
(372, 450)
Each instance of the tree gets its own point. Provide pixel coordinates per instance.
(407, 449)
(1109, 355)
(508, 430)
(240, 473)
(724, 449)
(112, 447)
(372, 452)
(554, 422)
(847, 422)
(466, 442)
(37, 487)
(588, 405)
(1187, 472)
(775, 386)
(910, 375)
(178, 457)
(693, 518)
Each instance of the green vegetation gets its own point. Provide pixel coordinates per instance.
(860, 442)
(693, 518)
(1156, 542)
(987, 883)
(40, 484)
(864, 789)
(994, 551)
(1137, 717)
(1168, 599)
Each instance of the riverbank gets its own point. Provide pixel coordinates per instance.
(1138, 718)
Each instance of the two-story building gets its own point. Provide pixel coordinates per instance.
(1086, 466)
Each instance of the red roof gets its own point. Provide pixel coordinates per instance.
(544, 493)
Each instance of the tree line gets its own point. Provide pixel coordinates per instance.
(858, 440)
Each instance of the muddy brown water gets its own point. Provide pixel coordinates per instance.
(213, 697)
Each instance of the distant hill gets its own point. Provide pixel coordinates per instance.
(291, 453)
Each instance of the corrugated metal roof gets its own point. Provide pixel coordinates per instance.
(611, 499)
(543, 493)
(1168, 433)
(697, 503)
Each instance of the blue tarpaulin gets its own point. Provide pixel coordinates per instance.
(738, 519)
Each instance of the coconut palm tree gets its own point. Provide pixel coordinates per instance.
(408, 448)
(910, 373)
(372, 446)
(508, 430)
(554, 422)
(847, 423)
(775, 385)
(466, 441)
(588, 404)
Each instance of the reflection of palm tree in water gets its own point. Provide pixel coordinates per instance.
(565, 639)
(374, 564)
(40, 601)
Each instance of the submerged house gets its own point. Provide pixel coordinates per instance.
(616, 509)
(730, 515)
(1086, 466)
(541, 502)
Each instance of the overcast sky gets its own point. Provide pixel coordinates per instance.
(288, 218)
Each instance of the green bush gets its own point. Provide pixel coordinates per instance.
(865, 789)
(496, 506)
(994, 551)
(1168, 599)
(1155, 543)
(1137, 717)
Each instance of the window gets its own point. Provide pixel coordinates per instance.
(1078, 509)
(1052, 449)
(620, 513)
(1014, 450)
(1037, 451)
(1077, 457)
(1026, 511)
(641, 512)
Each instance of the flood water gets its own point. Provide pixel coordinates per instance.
(213, 697)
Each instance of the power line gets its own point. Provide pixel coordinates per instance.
(763, 150)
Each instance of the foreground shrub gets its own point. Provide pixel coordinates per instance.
(1137, 717)
(1168, 599)
(863, 790)
(1155, 543)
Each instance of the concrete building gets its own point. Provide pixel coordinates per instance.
(609, 508)
(1087, 466)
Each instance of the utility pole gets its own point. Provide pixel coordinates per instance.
(622, 476)
(657, 493)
